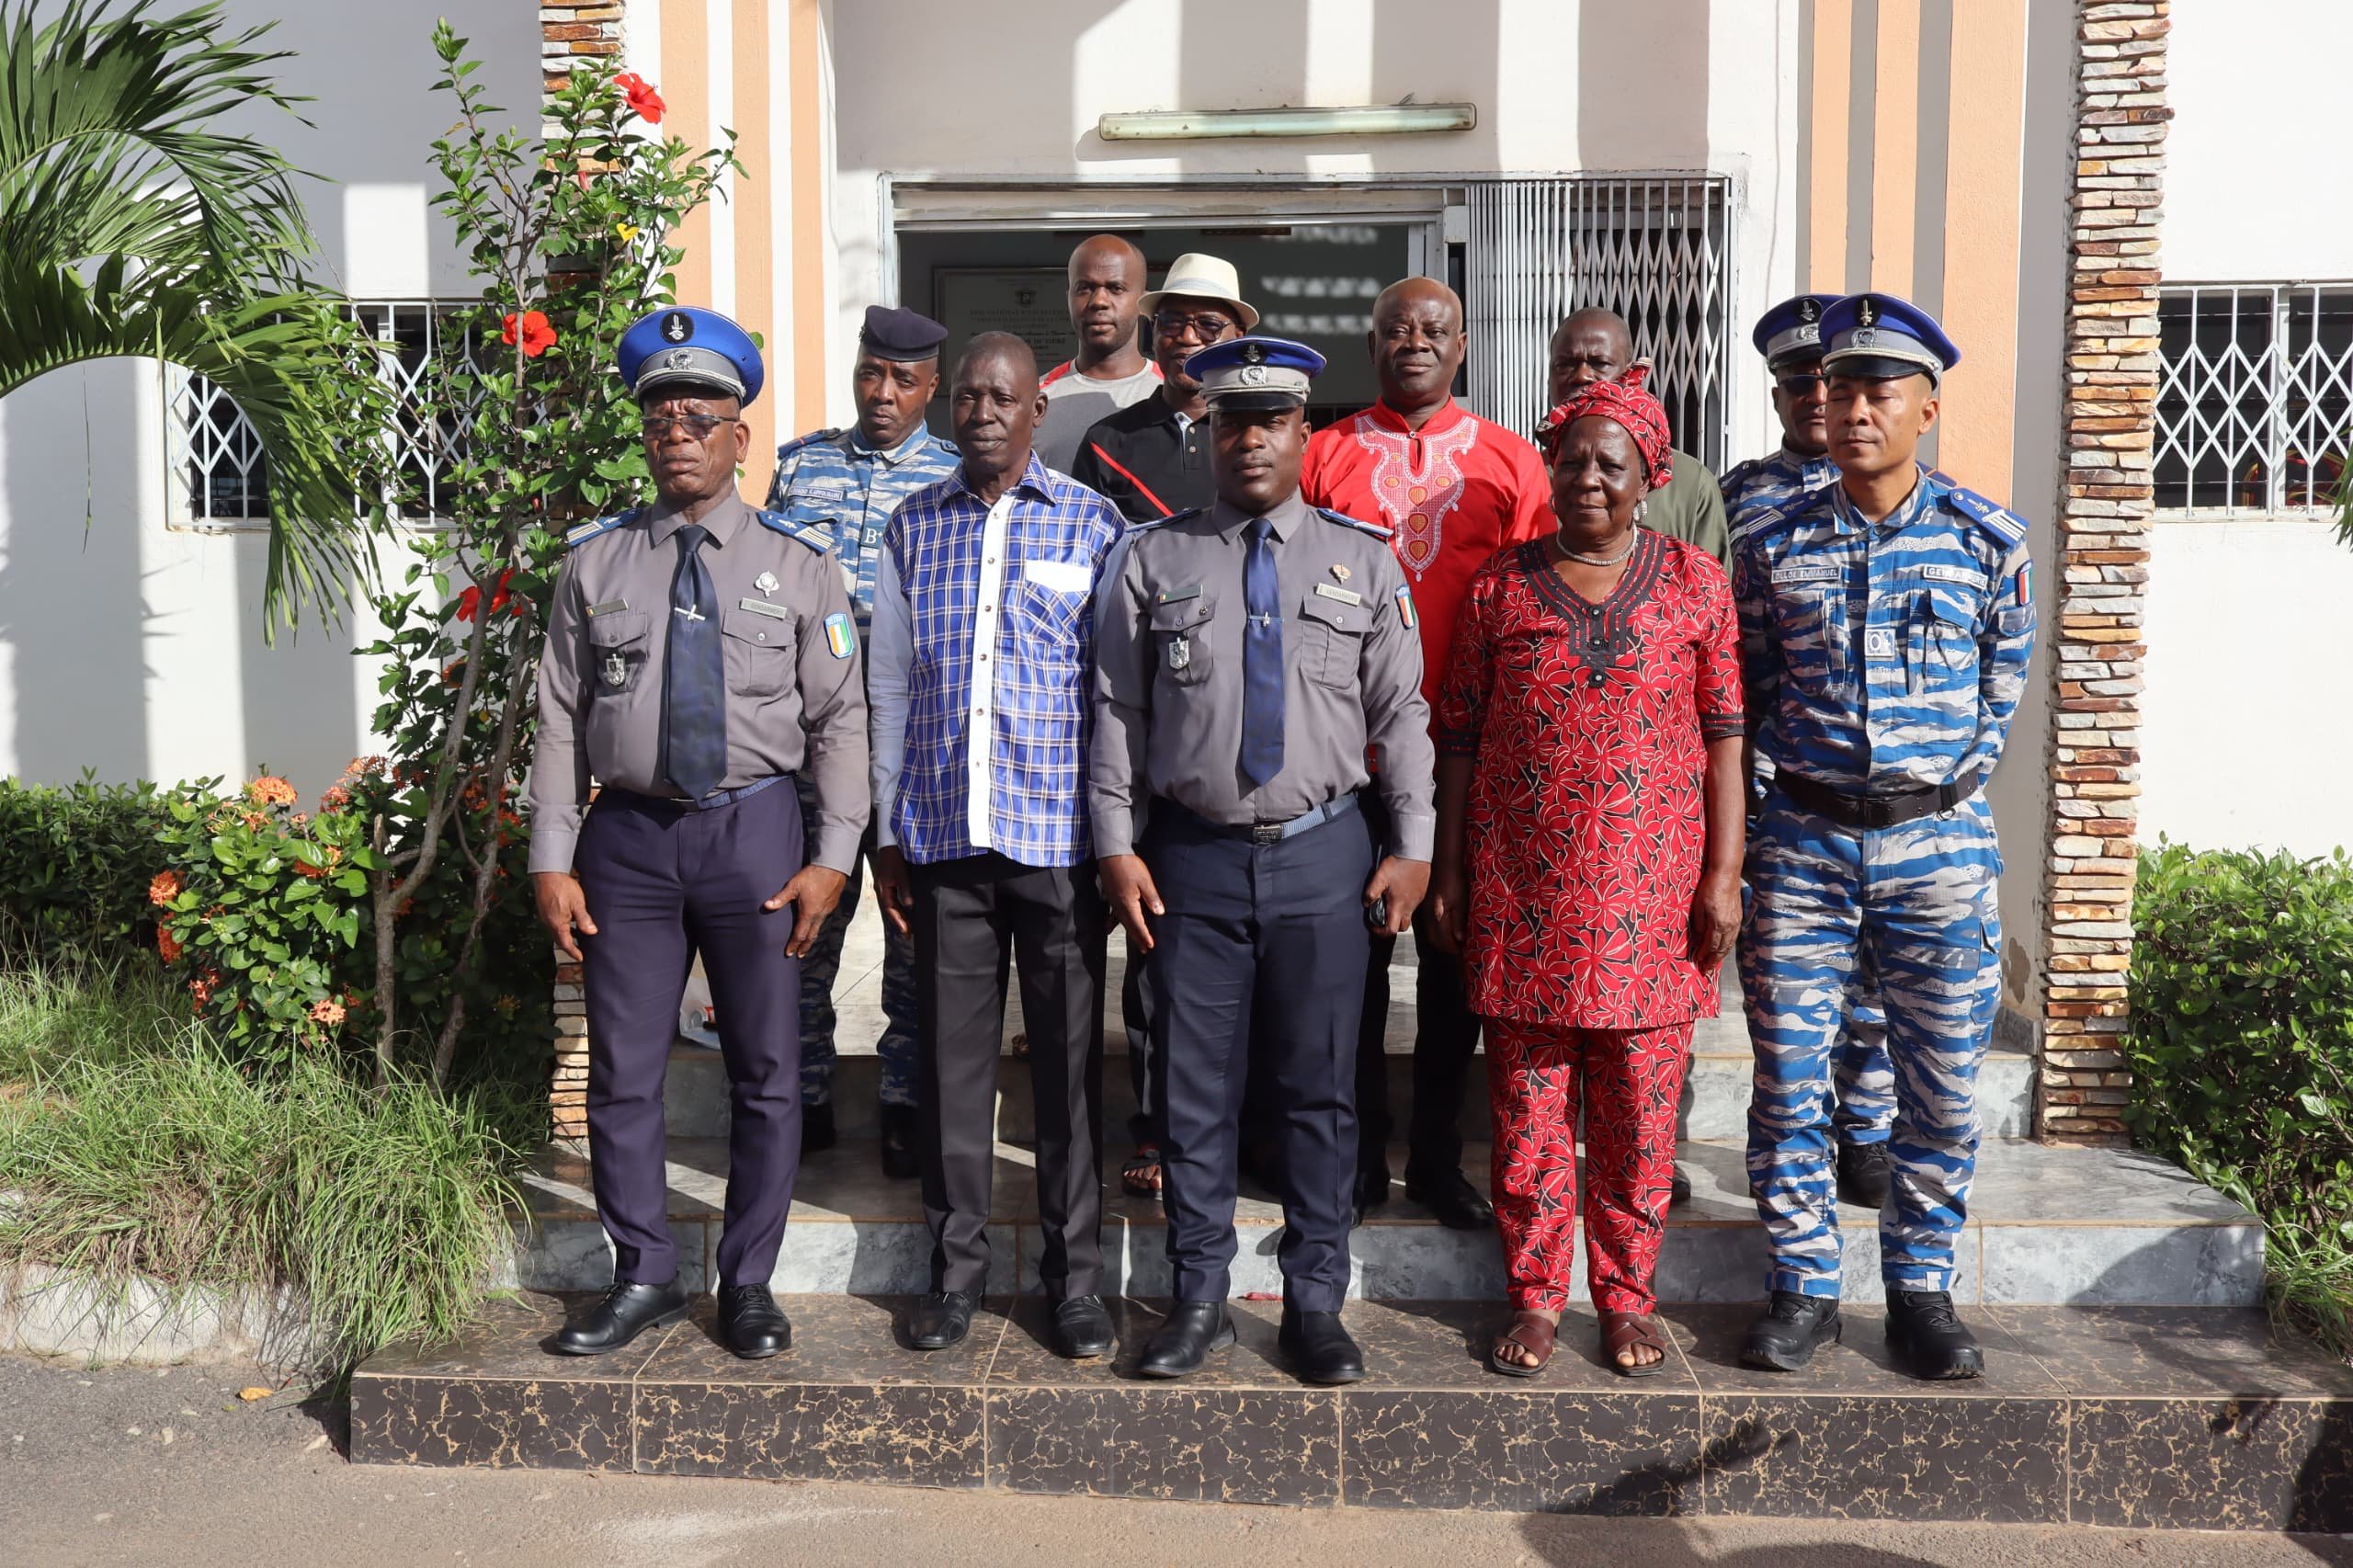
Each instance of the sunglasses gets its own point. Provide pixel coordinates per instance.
(657, 427)
(1802, 386)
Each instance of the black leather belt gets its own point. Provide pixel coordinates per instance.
(1265, 832)
(1886, 808)
(709, 803)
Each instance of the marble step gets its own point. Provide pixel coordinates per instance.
(2047, 1226)
(2146, 1418)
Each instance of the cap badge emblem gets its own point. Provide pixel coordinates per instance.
(616, 670)
(1254, 353)
(1866, 311)
(765, 581)
(1809, 309)
(1254, 375)
(677, 326)
(1865, 337)
(677, 359)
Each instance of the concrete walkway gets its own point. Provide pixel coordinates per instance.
(132, 1466)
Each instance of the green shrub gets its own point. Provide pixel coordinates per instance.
(384, 1210)
(2242, 1045)
(73, 867)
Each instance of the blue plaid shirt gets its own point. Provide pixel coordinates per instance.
(832, 481)
(984, 625)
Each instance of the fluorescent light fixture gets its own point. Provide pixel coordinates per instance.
(1367, 120)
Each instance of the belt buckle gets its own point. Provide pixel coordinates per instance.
(1267, 833)
(1878, 810)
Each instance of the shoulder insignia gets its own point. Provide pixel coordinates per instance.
(794, 529)
(830, 433)
(1996, 520)
(1186, 515)
(1776, 516)
(1736, 475)
(577, 537)
(1375, 529)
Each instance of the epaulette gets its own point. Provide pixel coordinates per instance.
(1996, 520)
(1185, 516)
(1738, 472)
(1375, 529)
(586, 531)
(822, 543)
(1776, 515)
(810, 440)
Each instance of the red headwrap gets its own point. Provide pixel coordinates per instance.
(1624, 401)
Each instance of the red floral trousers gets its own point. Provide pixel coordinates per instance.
(1629, 1082)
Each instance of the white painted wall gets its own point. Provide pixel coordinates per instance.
(134, 648)
(1560, 86)
(2254, 176)
(2243, 743)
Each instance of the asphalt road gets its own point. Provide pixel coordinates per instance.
(171, 1468)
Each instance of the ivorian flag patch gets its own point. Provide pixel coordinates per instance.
(2022, 585)
(841, 637)
(1405, 614)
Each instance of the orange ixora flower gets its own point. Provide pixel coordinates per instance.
(164, 886)
(167, 944)
(329, 1012)
(272, 791)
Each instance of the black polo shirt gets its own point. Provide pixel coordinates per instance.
(1147, 462)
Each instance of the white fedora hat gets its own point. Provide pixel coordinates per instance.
(1197, 277)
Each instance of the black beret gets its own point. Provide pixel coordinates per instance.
(890, 332)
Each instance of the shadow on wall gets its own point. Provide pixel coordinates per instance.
(1642, 84)
(73, 676)
(301, 705)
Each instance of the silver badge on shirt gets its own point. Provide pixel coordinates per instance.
(616, 670)
(1181, 653)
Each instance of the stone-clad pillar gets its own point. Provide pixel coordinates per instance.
(2109, 414)
(571, 29)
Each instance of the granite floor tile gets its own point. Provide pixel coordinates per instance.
(1984, 1459)
(1859, 1366)
(1543, 1450)
(2181, 1264)
(857, 1340)
(508, 1340)
(2185, 1352)
(1192, 1441)
(494, 1423)
(908, 1433)
(2247, 1464)
(1254, 1361)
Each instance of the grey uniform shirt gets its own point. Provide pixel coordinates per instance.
(794, 696)
(1168, 628)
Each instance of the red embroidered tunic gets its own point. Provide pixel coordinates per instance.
(1453, 493)
(1586, 822)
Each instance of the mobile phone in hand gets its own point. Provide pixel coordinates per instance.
(1376, 915)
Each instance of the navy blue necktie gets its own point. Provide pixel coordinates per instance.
(1262, 659)
(694, 676)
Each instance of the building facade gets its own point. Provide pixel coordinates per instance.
(2102, 199)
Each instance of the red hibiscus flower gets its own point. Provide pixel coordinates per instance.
(532, 330)
(643, 101)
(470, 602)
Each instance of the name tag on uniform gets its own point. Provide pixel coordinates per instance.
(1937, 571)
(1177, 596)
(762, 606)
(1808, 573)
(608, 607)
(1879, 643)
(1346, 595)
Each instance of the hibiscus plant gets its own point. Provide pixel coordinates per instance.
(569, 232)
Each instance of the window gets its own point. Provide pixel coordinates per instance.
(219, 458)
(2254, 405)
(1655, 249)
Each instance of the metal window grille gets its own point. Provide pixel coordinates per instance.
(1655, 249)
(220, 458)
(2254, 406)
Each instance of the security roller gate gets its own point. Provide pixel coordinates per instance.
(1655, 249)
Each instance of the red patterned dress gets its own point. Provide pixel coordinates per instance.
(1585, 832)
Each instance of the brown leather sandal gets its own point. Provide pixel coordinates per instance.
(1621, 1332)
(1531, 1332)
(1142, 1175)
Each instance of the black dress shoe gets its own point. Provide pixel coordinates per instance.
(1319, 1348)
(942, 1319)
(625, 1311)
(1679, 1188)
(1791, 1330)
(1934, 1342)
(751, 1323)
(817, 1132)
(1082, 1328)
(1371, 1192)
(1862, 1176)
(899, 1161)
(1181, 1344)
(1450, 1195)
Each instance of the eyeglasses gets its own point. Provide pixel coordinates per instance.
(1802, 386)
(658, 427)
(1204, 328)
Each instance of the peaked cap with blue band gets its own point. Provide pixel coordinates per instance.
(1792, 329)
(1254, 373)
(688, 344)
(1881, 337)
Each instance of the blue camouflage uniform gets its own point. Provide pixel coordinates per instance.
(833, 482)
(1865, 1109)
(1884, 661)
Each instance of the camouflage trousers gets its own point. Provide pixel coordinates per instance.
(896, 1048)
(1917, 903)
(1866, 1078)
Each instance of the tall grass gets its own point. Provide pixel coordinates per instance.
(131, 1144)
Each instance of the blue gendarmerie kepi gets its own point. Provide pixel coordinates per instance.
(1792, 329)
(1880, 337)
(1254, 373)
(688, 344)
(907, 336)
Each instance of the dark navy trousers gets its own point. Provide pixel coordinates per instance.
(664, 883)
(1260, 959)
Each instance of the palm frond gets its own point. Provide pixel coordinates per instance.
(107, 147)
(287, 359)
